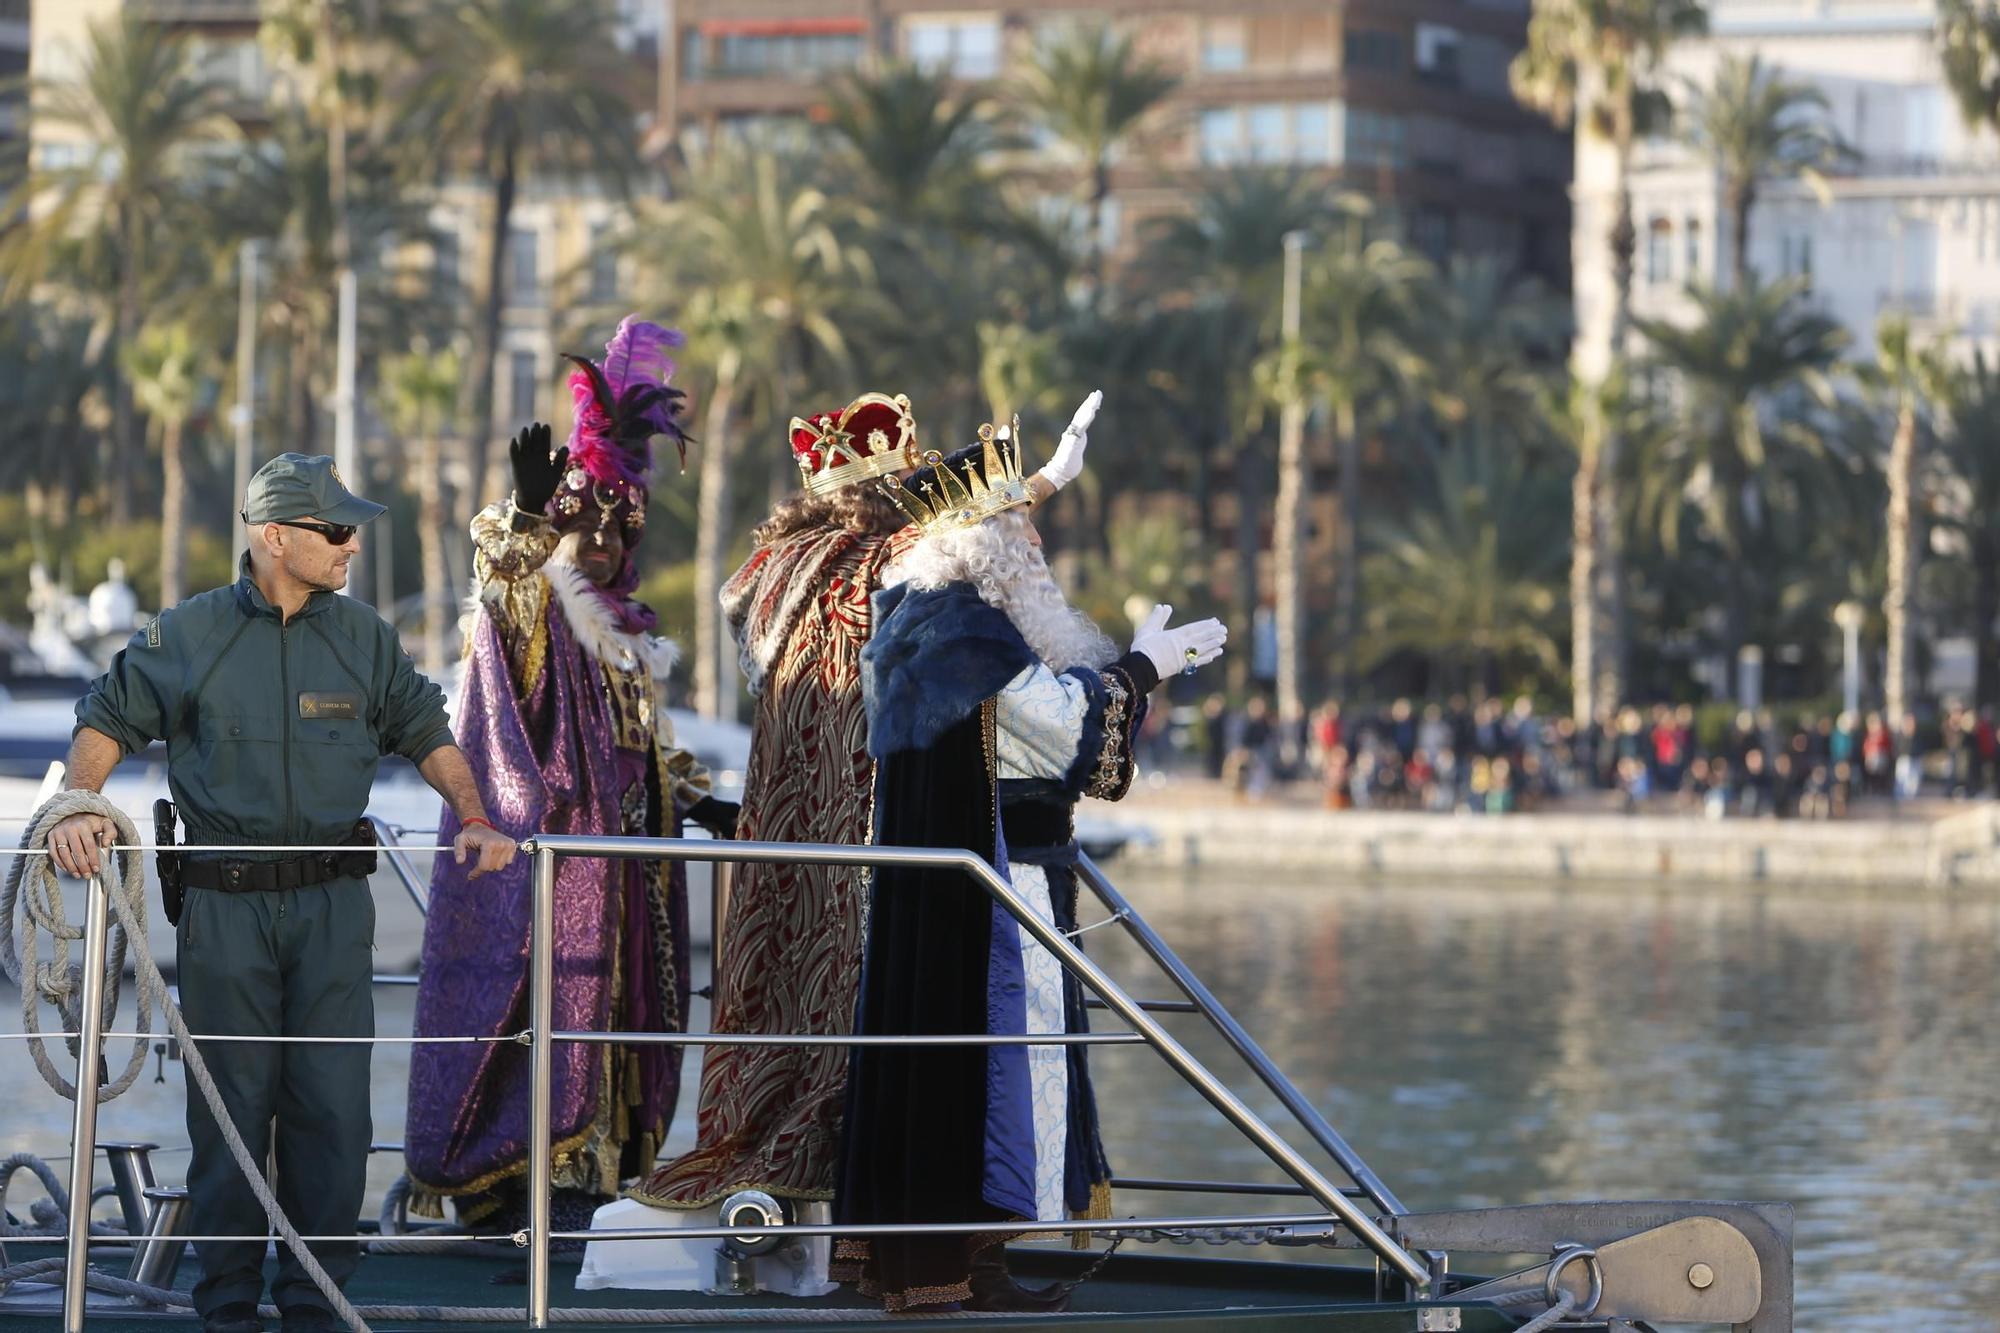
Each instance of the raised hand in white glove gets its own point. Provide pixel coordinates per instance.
(1180, 649)
(1067, 464)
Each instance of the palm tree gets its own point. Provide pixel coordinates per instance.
(162, 370)
(419, 389)
(137, 106)
(1090, 90)
(920, 144)
(512, 89)
(1969, 47)
(1356, 356)
(1476, 346)
(1596, 56)
(1969, 446)
(766, 281)
(1744, 369)
(1466, 576)
(1907, 377)
(48, 367)
(1754, 125)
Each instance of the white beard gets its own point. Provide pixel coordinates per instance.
(1011, 576)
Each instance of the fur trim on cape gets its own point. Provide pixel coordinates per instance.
(936, 655)
(593, 624)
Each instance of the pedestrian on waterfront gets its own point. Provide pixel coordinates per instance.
(1909, 759)
(1878, 756)
(276, 697)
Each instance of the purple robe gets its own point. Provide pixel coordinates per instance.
(546, 761)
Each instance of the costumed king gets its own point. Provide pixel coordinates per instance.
(790, 957)
(564, 717)
(276, 697)
(993, 706)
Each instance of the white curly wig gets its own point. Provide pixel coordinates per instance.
(1008, 571)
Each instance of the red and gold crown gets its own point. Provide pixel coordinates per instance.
(873, 436)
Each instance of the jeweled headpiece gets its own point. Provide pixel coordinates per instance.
(873, 436)
(968, 488)
(620, 405)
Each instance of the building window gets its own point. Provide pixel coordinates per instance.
(1795, 256)
(522, 382)
(1437, 53)
(1224, 49)
(603, 263)
(1660, 251)
(1692, 247)
(1374, 139)
(1299, 132)
(1372, 48)
(965, 48)
(782, 54)
(523, 272)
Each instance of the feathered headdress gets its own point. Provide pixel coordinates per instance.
(620, 405)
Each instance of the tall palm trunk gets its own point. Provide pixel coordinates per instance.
(1248, 544)
(1902, 562)
(1740, 196)
(1584, 548)
(430, 539)
(124, 417)
(478, 408)
(1288, 561)
(711, 543)
(173, 515)
(1349, 588)
(1606, 681)
(1100, 191)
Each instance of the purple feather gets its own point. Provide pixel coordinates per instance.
(638, 353)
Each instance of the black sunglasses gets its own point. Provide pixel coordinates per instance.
(336, 534)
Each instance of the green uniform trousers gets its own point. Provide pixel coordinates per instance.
(295, 963)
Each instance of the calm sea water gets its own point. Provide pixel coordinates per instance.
(1511, 1044)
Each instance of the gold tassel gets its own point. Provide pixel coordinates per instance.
(1099, 1210)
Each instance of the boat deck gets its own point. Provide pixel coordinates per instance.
(1132, 1291)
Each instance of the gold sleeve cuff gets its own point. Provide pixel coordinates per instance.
(684, 778)
(1115, 763)
(509, 545)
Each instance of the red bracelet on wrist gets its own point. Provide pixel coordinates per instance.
(478, 819)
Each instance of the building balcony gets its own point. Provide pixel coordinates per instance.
(196, 11)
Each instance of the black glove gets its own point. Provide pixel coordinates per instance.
(718, 817)
(537, 474)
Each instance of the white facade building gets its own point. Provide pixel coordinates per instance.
(1914, 221)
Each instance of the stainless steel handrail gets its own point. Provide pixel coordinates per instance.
(391, 847)
(541, 990)
(544, 851)
(1239, 1040)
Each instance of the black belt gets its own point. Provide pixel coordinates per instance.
(1038, 832)
(293, 872)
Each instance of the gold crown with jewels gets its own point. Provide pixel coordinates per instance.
(952, 496)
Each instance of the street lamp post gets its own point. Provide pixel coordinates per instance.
(246, 379)
(1850, 616)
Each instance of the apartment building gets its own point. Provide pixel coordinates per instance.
(1404, 100)
(1911, 224)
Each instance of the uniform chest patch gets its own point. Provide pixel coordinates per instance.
(329, 703)
(153, 632)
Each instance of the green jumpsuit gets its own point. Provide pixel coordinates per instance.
(273, 732)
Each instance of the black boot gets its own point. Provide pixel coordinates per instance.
(994, 1290)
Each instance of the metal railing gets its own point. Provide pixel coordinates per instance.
(1343, 1207)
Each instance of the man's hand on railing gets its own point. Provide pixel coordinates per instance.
(77, 843)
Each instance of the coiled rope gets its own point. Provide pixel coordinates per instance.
(125, 888)
(34, 892)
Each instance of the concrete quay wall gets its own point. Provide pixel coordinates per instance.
(1960, 849)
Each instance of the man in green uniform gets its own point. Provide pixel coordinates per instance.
(276, 698)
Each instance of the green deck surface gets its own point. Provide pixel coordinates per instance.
(1132, 1292)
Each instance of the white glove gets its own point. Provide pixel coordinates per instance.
(1180, 649)
(1067, 464)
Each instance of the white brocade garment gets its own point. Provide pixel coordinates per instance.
(1038, 726)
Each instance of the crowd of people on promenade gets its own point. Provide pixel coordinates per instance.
(1497, 756)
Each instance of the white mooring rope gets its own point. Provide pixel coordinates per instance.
(125, 887)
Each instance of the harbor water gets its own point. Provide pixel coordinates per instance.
(1489, 1044)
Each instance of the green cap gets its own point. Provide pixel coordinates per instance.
(297, 486)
